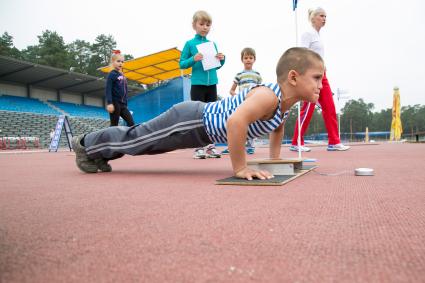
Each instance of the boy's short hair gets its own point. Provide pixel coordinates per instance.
(299, 59)
(201, 16)
(248, 51)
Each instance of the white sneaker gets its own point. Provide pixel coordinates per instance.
(212, 152)
(200, 154)
(338, 147)
(303, 148)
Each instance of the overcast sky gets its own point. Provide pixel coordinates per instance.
(370, 46)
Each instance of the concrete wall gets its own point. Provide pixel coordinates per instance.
(69, 97)
(43, 94)
(48, 94)
(95, 101)
(11, 89)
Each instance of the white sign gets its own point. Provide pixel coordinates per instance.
(62, 123)
(208, 52)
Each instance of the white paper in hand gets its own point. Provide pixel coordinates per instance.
(208, 51)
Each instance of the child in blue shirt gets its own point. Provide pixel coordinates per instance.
(116, 92)
(203, 83)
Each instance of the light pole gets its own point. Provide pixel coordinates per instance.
(294, 8)
(340, 95)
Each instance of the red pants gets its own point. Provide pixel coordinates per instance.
(327, 104)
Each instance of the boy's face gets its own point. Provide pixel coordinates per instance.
(202, 27)
(248, 61)
(309, 84)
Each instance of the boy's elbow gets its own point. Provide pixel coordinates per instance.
(184, 64)
(279, 130)
(231, 122)
(234, 123)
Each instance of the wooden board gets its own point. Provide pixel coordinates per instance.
(288, 166)
(274, 161)
(278, 180)
(275, 169)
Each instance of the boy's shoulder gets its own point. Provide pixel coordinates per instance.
(273, 86)
(255, 72)
(196, 40)
(190, 40)
(248, 72)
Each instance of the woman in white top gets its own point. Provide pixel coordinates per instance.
(311, 39)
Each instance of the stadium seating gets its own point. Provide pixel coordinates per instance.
(21, 124)
(78, 110)
(32, 118)
(24, 104)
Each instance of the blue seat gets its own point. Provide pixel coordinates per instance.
(78, 110)
(25, 104)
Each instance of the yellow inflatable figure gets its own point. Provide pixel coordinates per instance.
(396, 127)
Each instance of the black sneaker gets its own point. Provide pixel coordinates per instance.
(102, 165)
(84, 163)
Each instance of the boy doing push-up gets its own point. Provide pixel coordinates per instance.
(191, 124)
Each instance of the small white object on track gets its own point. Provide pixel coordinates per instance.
(364, 172)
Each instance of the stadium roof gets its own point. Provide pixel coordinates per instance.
(27, 73)
(160, 66)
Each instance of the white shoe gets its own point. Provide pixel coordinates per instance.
(338, 147)
(200, 154)
(302, 148)
(212, 152)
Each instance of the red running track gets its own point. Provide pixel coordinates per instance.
(162, 219)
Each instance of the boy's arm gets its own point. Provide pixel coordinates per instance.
(222, 61)
(233, 89)
(276, 142)
(186, 58)
(260, 104)
(220, 56)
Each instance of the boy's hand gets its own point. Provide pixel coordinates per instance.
(249, 174)
(110, 108)
(233, 89)
(198, 57)
(220, 56)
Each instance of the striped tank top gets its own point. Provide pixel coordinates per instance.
(216, 115)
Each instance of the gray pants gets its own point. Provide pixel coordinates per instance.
(179, 127)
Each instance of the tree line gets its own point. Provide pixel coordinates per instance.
(84, 57)
(356, 115)
(79, 56)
